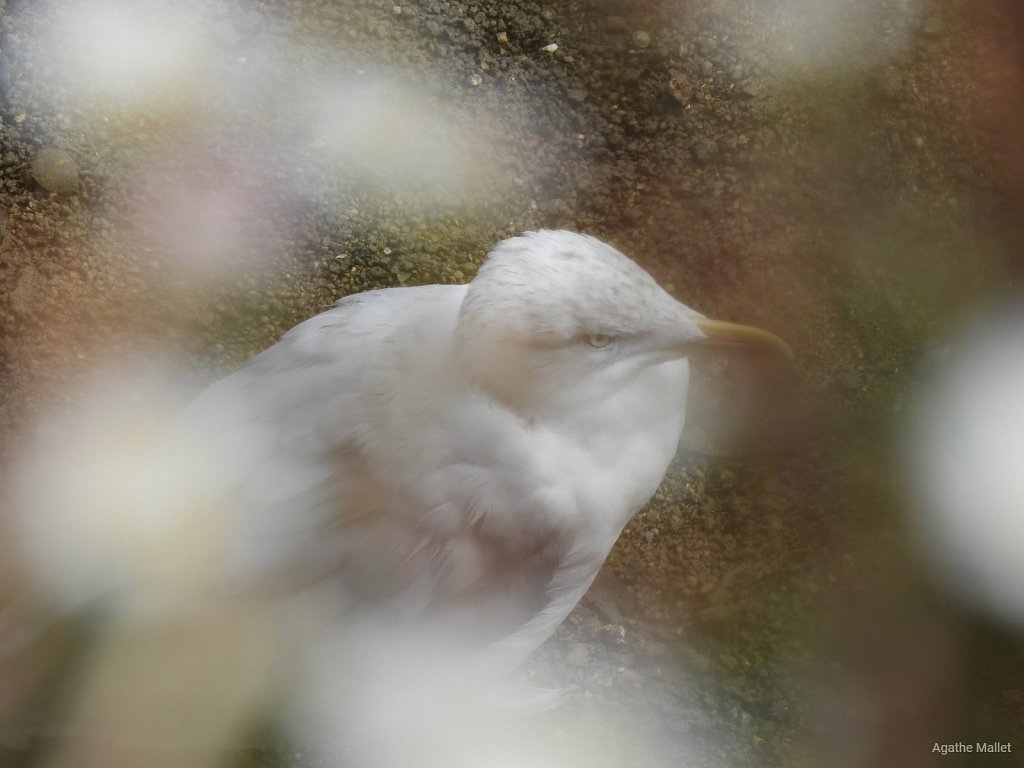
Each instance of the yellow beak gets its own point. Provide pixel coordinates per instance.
(720, 333)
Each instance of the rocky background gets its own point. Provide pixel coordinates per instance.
(845, 173)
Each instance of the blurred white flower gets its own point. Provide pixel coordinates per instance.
(966, 449)
(140, 51)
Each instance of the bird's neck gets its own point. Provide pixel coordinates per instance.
(624, 443)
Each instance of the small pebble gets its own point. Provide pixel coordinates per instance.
(641, 39)
(750, 90)
(614, 634)
(55, 170)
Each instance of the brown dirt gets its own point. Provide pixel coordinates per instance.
(861, 206)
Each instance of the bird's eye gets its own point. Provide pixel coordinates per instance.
(599, 340)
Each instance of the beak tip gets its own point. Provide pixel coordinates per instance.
(784, 348)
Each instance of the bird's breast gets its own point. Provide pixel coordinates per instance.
(617, 452)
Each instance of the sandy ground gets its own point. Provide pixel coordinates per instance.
(844, 173)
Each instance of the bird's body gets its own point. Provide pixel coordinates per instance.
(427, 478)
(367, 452)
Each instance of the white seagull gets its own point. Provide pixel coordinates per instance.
(446, 463)
(471, 450)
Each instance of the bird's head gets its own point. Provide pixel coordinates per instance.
(554, 316)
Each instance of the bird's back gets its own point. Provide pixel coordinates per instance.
(298, 427)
